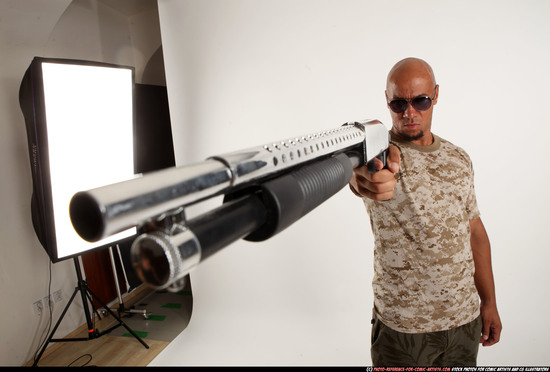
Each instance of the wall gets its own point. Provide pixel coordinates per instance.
(247, 72)
(81, 29)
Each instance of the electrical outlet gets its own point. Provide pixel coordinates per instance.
(37, 306)
(46, 302)
(57, 296)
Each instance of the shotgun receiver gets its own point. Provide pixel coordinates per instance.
(265, 189)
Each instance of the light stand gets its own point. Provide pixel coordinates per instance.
(121, 307)
(85, 292)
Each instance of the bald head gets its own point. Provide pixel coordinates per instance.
(412, 79)
(410, 68)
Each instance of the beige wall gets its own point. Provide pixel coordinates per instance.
(245, 72)
(121, 31)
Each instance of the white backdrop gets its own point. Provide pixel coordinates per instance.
(242, 73)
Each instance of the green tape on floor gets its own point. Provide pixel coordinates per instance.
(172, 306)
(158, 318)
(140, 334)
(184, 293)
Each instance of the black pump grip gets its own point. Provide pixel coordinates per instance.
(290, 197)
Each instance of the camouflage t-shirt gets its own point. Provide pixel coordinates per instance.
(423, 263)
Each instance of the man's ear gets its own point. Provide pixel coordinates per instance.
(436, 93)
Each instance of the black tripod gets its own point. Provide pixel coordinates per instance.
(85, 292)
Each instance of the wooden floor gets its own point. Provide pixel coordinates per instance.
(105, 350)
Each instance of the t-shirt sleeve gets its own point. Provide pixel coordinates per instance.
(471, 203)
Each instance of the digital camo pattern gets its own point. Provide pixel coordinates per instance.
(423, 263)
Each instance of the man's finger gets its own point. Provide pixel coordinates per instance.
(493, 338)
(394, 158)
(485, 331)
(378, 165)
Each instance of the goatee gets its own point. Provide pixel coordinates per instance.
(413, 138)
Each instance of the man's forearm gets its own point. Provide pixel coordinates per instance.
(481, 249)
(484, 281)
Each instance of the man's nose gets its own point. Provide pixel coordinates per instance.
(410, 111)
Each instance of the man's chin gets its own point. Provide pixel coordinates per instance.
(413, 136)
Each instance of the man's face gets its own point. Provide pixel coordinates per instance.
(412, 124)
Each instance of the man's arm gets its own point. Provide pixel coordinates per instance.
(481, 249)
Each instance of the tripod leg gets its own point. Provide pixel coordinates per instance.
(121, 307)
(92, 333)
(117, 318)
(93, 308)
(117, 286)
(83, 286)
(50, 337)
(128, 287)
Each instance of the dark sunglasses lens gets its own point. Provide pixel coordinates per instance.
(421, 103)
(398, 105)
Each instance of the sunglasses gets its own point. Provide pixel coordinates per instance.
(420, 103)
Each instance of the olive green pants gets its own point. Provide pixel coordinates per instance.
(455, 347)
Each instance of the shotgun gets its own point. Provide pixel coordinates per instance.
(265, 189)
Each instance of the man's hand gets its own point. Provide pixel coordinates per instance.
(379, 185)
(490, 333)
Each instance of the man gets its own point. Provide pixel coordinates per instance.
(434, 295)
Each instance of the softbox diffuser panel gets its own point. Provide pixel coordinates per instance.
(79, 117)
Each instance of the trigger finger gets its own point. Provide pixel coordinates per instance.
(378, 164)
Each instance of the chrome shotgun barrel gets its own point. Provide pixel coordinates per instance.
(104, 211)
